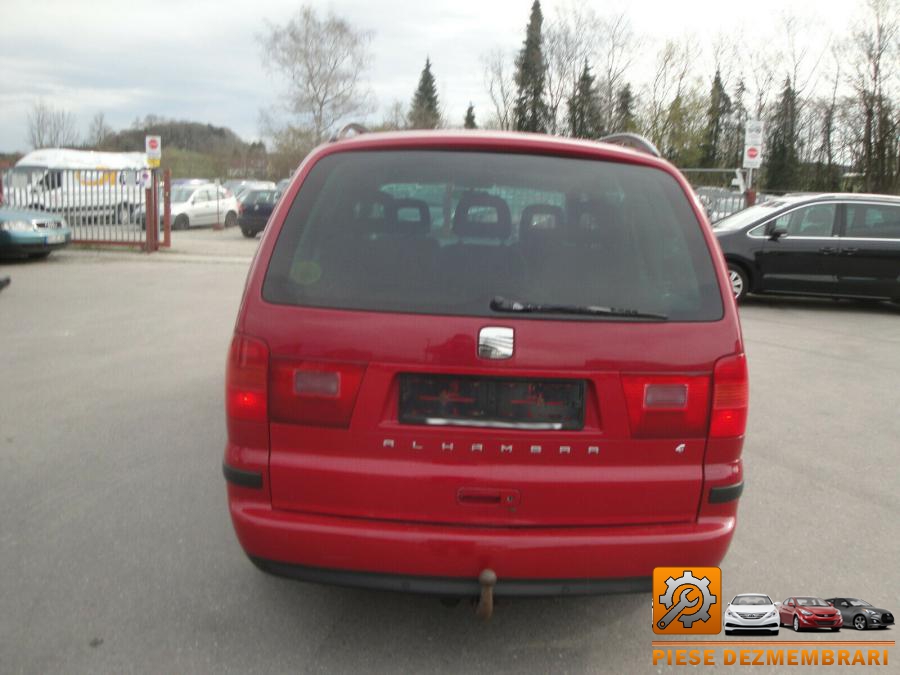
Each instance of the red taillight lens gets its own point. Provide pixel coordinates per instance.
(666, 406)
(246, 380)
(731, 396)
(315, 393)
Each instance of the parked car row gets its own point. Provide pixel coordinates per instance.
(757, 612)
(834, 245)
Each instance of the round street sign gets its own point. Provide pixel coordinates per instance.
(752, 153)
(153, 143)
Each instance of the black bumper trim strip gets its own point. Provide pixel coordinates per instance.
(449, 586)
(247, 479)
(720, 495)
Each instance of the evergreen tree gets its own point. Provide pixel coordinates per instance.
(424, 112)
(624, 118)
(469, 122)
(584, 108)
(531, 112)
(716, 120)
(734, 133)
(783, 164)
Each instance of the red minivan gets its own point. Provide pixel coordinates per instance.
(464, 351)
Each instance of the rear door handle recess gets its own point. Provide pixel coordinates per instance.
(828, 250)
(488, 497)
(850, 251)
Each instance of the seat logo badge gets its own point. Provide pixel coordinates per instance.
(446, 446)
(565, 450)
(477, 447)
(495, 342)
(506, 448)
(535, 449)
(388, 443)
(679, 448)
(416, 445)
(594, 450)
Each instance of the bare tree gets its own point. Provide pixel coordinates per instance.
(617, 45)
(761, 62)
(49, 127)
(669, 84)
(875, 50)
(570, 42)
(501, 87)
(98, 131)
(323, 61)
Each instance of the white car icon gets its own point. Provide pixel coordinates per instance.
(751, 611)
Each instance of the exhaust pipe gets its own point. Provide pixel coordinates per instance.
(485, 607)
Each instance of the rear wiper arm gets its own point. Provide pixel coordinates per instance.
(500, 304)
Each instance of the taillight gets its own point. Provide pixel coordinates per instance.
(315, 393)
(731, 396)
(666, 406)
(246, 380)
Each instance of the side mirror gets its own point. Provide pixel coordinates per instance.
(777, 233)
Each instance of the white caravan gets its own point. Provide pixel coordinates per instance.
(79, 184)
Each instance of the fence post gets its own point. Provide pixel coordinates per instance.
(167, 208)
(219, 224)
(152, 210)
(750, 197)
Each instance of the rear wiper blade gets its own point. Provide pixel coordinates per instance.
(500, 304)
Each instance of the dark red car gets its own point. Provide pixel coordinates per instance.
(807, 612)
(485, 355)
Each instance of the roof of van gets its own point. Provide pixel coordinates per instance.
(59, 158)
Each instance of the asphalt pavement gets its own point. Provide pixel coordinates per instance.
(117, 553)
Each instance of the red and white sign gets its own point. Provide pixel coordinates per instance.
(153, 147)
(753, 140)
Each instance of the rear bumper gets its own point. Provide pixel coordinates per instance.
(447, 560)
(449, 586)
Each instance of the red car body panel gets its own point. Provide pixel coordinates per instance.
(380, 496)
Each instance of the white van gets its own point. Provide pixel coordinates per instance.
(79, 184)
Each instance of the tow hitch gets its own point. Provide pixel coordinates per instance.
(485, 607)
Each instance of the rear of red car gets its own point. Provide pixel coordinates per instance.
(460, 352)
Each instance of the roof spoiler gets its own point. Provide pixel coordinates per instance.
(633, 141)
(347, 130)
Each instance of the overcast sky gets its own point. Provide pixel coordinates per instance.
(198, 60)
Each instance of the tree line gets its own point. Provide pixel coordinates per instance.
(831, 112)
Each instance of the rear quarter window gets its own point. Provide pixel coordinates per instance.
(444, 232)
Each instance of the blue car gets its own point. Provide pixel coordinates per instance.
(32, 234)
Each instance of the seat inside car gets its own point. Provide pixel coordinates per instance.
(482, 225)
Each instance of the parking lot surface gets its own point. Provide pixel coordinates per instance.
(116, 550)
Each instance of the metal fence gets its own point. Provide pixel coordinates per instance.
(100, 206)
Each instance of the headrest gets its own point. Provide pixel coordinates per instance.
(497, 225)
(554, 213)
(597, 222)
(412, 216)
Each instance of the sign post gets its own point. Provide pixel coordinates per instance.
(753, 148)
(153, 148)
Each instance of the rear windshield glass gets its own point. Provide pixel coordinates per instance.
(441, 232)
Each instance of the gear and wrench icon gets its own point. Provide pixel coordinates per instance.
(689, 580)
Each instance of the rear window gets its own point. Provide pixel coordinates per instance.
(443, 232)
